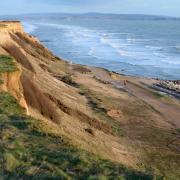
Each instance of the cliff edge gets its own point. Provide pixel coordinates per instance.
(11, 26)
(80, 122)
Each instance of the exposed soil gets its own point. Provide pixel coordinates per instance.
(113, 116)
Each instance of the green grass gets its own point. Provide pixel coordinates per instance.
(158, 155)
(162, 162)
(101, 111)
(29, 152)
(7, 64)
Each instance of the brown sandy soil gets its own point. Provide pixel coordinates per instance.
(170, 112)
(133, 88)
(136, 87)
(129, 124)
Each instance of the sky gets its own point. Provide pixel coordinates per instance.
(153, 7)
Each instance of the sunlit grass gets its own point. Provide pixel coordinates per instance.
(7, 64)
(29, 152)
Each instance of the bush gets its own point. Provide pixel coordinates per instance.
(68, 80)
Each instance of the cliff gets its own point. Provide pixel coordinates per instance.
(80, 121)
(11, 26)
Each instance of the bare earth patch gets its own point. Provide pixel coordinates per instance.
(115, 113)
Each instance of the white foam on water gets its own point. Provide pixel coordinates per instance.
(154, 47)
(112, 47)
(97, 43)
(28, 27)
(177, 48)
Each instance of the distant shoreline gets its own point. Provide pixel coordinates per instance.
(120, 50)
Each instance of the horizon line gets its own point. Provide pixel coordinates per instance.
(98, 13)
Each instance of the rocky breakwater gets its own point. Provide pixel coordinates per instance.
(170, 87)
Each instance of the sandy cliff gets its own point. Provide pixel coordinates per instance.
(11, 26)
(91, 106)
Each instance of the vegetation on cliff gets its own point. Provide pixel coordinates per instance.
(7, 64)
(29, 152)
(81, 107)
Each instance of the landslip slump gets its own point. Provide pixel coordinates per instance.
(10, 74)
(20, 81)
(18, 54)
(36, 99)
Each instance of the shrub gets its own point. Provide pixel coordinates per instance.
(68, 80)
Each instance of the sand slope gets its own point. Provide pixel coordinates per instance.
(131, 124)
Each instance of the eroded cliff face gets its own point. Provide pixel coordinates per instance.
(48, 97)
(10, 82)
(82, 104)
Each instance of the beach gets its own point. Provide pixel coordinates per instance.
(75, 115)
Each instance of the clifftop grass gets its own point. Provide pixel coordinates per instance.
(28, 152)
(7, 64)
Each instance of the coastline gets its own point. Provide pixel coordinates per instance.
(119, 118)
(76, 40)
(143, 89)
(153, 83)
(116, 79)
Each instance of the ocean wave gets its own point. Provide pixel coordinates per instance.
(28, 27)
(154, 47)
(112, 46)
(131, 40)
(90, 38)
(171, 49)
(117, 46)
(93, 53)
(172, 61)
(177, 48)
(159, 55)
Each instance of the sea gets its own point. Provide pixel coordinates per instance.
(135, 45)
